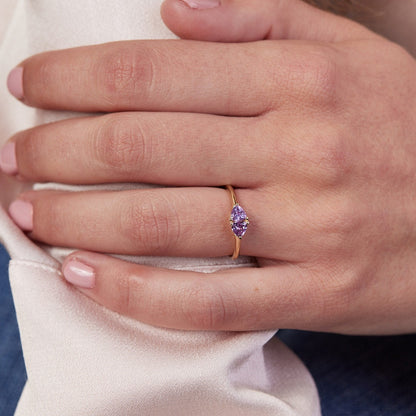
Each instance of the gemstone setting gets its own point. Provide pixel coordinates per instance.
(238, 221)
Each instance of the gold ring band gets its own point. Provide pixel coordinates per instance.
(238, 221)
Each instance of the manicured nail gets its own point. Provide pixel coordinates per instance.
(22, 214)
(79, 274)
(15, 82)
(8, 163)
(202, 4)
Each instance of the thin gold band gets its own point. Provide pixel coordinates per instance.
(233, 197)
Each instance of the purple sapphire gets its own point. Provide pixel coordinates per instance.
(239, 221)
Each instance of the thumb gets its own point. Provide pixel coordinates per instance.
(252, 20)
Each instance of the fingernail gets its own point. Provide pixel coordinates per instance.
(79, 274)
(15, 82)
(202, 4)
(8, 163)
(22, 214)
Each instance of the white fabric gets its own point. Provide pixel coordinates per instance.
(82, 359)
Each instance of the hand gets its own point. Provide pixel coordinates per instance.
(314, 127)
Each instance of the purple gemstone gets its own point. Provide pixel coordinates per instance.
(239, 221)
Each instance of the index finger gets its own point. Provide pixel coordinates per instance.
(161, 75)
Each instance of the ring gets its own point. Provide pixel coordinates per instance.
(238, 221)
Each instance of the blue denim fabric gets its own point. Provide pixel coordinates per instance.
(12, 368)
(359, 376)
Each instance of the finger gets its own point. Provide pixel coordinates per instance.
(184, 222)
(190, 222)
(237, 299)
(179, 149)
(247, 20)
(176, 75)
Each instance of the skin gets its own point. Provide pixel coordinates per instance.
(310, 116)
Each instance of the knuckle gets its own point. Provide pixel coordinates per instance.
(206, 308)
(151, 225)
(28, 147)
(337, 220)
(120, 144)
(319, 77)
(130, 292)
(324, 77)
(330, 156)
(45, 70)
(126, 73)
(324, 157)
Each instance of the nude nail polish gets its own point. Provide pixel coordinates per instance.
(8, 163)
(202, 4)
(79, 274)
(22, 214)
(15, 82)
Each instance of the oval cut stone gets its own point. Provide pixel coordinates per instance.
(239, 221)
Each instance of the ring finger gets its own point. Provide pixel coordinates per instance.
(192, 222)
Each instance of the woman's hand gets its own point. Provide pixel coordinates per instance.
(316, 133)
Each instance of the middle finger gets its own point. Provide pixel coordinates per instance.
(179, 149)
